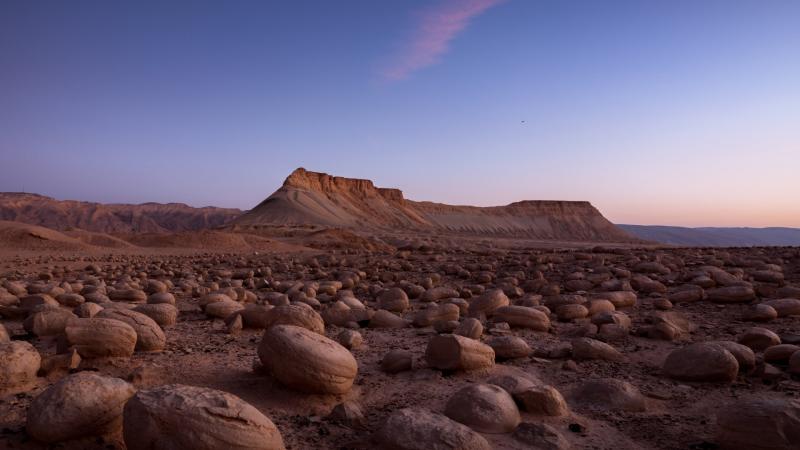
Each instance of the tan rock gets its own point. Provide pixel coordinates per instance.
(485, 408)
(100, 337)
(164, 314)
(307, 361)
(509, 347)
(759, 339)
(523, 317)
(759, 424)
(542, 399)
(394, 299)
(785, 306)
(386, 319)
(149, 336)
(419, 429)
(49, 322)
(587, 349)
(487, 303)
(80, 405)
(470, 327)
(188, 417)
(731, 294)
(609, 394)
(19, 363)
(301, 316)
(701, 362)
(436, 313)
(396, 361)
(453, 352)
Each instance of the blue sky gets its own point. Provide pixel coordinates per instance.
(672, 112)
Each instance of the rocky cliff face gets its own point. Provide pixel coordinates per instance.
(110, 218)
(312, 198)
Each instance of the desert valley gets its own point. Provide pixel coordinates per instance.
(335, 314)
(399, 225)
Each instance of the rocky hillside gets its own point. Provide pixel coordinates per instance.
(44, 211)
(321, 199)
(717, 236)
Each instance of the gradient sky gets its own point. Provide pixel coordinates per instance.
(678, 112)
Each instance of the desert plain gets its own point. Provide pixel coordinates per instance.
(338, 315)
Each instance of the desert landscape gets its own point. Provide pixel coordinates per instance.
(335, 314)
(399, 225)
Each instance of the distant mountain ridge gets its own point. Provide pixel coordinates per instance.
(716, 236)
(62, 215)
(314, 198)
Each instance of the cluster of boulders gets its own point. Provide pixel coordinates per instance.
(477, 311)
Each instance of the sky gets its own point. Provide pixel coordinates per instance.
(680, 112)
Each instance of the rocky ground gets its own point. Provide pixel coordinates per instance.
(425, 347)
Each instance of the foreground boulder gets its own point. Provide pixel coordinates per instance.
(49, 322)
(78, 406)
(701, 362)
(188, 417)
(98, 337)
(485, 408)
(541, 436)
(419, 429)
(149, 336)
(453, 352)
(759, 424)
(306, 361)
(609, 394)
(19, 362)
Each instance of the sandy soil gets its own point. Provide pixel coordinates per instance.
(680, 415)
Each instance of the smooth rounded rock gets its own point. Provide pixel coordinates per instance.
(188, 417)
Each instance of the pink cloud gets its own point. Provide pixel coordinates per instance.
(435, 28)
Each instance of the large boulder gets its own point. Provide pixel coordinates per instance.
(98, 337)
(588, 349)
(307, 361)
(149, 336)
(454, 352)
(188, 417)
(80, 405)
(759, 424)
(609, 394)
(19, 363)
(49, 322)
(487, 303)
(419, 429)
(485, 408)
(701, 362)
(523, 317)
(297, 315)
(394, 299)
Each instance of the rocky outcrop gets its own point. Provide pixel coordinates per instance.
(312, 198)
(63, 215)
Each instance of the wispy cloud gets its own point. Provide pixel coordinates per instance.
(433, 31)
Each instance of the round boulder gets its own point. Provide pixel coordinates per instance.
(701, 362)
(188, 417)
(80, 405)
(307, 361)
(485, 408)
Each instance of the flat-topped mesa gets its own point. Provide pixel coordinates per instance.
(329, 184)
(318, 199)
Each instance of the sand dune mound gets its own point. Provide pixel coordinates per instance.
(112, 218)
(312, 198)
(20, 236)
